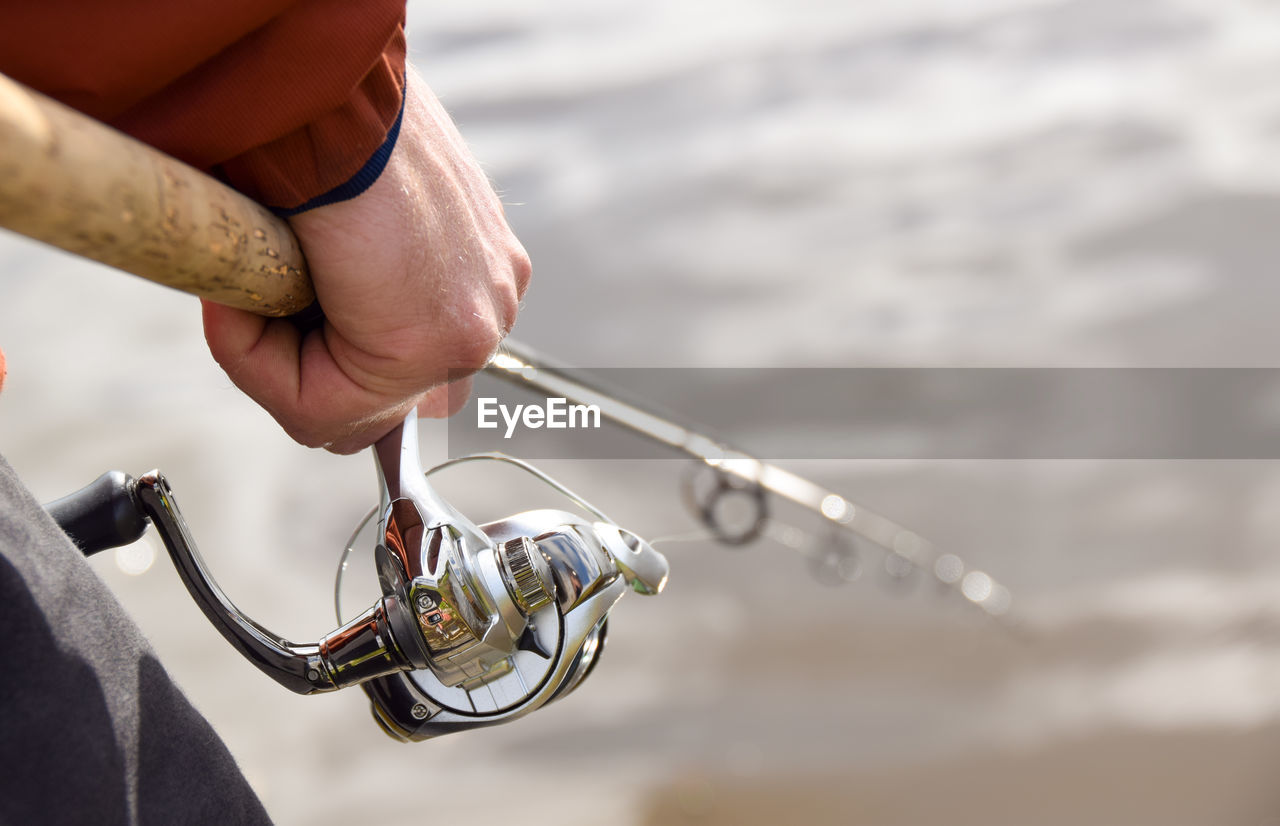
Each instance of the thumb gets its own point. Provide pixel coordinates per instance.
(262, 356)
(295, 378)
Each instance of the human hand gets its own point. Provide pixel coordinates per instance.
(419, 278)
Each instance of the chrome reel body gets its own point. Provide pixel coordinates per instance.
(505, 617)
(522, 659)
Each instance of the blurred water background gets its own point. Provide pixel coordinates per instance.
(814, 183)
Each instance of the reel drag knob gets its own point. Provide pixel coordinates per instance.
(526, 574)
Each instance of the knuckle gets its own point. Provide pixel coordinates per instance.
(508, 286)
(474, 341)
(506, 305)
(522, 270)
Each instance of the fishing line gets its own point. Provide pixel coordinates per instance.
(738, 477)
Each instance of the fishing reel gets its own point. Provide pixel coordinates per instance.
(476, 624)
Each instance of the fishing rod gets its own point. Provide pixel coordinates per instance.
(737, 474)
(477, 624)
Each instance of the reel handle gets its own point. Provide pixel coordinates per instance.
(115, 509)
(102, 515)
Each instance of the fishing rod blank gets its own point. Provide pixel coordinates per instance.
(740, 475)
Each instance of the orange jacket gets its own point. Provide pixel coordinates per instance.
(286, 100)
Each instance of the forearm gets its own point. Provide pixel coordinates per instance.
(284, 100)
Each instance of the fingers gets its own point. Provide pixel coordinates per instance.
(251, 348)
(369, 430)
(447, 400)
(3, 369)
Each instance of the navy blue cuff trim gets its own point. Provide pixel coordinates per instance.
(358, 182)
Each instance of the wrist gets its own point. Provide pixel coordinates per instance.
(364, 177)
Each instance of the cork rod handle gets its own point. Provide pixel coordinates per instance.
(74, 183)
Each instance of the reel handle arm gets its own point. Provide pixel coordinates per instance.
(114, 510)
(299, 668)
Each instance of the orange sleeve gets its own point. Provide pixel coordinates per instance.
(284, 99)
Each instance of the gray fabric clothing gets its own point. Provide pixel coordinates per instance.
(92, 729)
